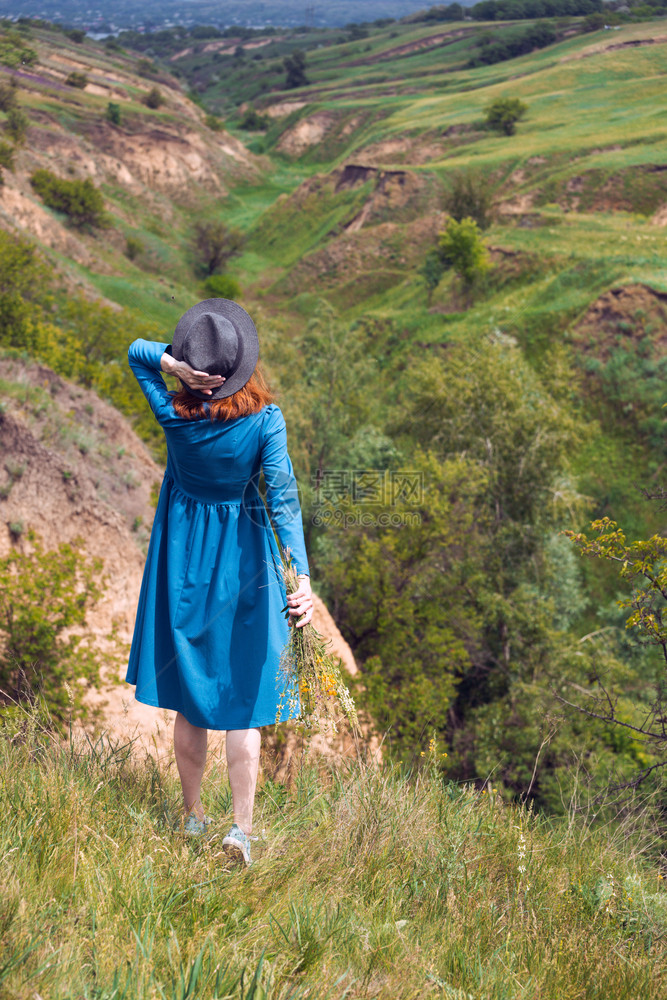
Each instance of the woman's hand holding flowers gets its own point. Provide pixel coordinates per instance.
(301, 603)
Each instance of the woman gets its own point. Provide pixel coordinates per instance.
(210, 627)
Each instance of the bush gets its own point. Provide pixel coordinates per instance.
(470, 197)
(295, 68)
(76, 35)
(6, 156)
(113, 113)
(8, 93)
(43, 595)
(215, 123)
(16, 125)
(154, 98)
(222, 286)
(81, 201)
(461, 248)
(251, 120)
(133, 247)
(503, 114)
(76, 79)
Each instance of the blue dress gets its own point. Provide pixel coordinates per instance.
(210, 629)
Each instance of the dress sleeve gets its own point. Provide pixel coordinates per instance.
(144, 358)
(281, 489)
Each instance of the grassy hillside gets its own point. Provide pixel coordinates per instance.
(368, 883)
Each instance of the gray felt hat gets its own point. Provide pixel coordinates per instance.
(217, 336)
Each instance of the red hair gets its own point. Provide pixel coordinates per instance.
(250, 398)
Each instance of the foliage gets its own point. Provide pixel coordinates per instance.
(215, 123)
(16, 125)
(251, 120)
(503, 113)
(13, 50)
(77, 35)
(8, 93)
(77, 79)
(7, 153)
(432, 271)
(133, 247)
(492, 50)
(643, 564)
(295, 70)
(113, 113)
(215, 244)
(462, 249)
(81, 201)
(154, 98)
(470, 197)
(508, 10)
(222, 286)
(43, 596)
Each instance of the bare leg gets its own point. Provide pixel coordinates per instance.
(190, 749)
(242, 746)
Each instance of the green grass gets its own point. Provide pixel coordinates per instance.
(372, 881)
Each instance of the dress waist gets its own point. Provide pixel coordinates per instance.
(250, 499)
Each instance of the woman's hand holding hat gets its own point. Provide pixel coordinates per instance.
(301, 603)
(189, 376)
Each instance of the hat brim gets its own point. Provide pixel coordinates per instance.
(246, 330)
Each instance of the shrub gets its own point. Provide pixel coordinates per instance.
(113, 113)
(295, 68)
(215, 123)
(76, 35)
(461, 248)
(251, 120)
(470, 197)
(503, 114)
(154, 98)
(81, 201)
(42, 596)
(8, 93)
(214, 243)
(6, 156)
(133, 247)
(76, 79)
(16, 125)
(222, 286)
(146, 68)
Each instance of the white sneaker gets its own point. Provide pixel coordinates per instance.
(236, 845)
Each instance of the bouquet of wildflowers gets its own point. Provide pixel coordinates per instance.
(310, 673)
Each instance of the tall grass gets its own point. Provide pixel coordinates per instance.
(371, 881)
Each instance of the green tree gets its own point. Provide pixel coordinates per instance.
(470, 198)
(295, 69)
(215, 244)
(76, 79)
(154, 98)
(8, 93)
(43, 596)
(431, 271)
(113, 113)
(462, 249)
(503, 114)
(16, 125)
